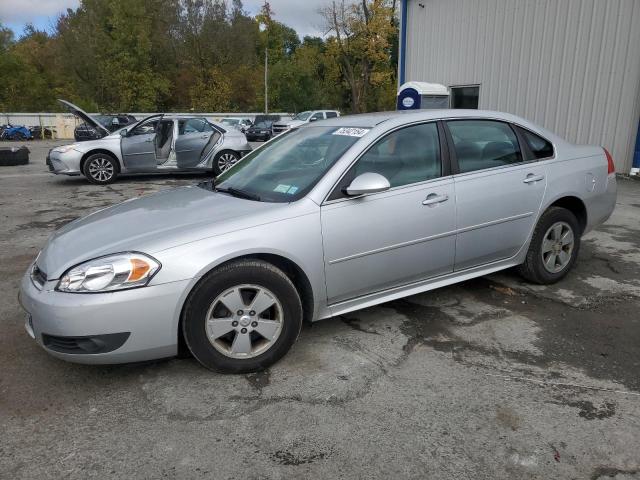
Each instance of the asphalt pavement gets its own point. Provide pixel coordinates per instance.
(493, 378)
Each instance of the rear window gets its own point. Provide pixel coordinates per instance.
(540, 148)
(331, 114)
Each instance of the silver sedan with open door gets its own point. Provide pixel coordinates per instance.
(159, 143)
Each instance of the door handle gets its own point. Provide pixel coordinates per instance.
(205, 136)
(149, 140)
(531, 178)
(434, 198)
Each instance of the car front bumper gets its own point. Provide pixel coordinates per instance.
(104, 328)
(64, 163)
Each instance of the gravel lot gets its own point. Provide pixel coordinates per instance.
(492, 378)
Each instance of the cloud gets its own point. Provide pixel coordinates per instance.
(33, 11)
(301, 15)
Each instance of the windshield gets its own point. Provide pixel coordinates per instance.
(302, 116)
(262, 125)
(288, 167)
(230, 121)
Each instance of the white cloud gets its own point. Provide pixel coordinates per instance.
(301, 15)
(33, 11)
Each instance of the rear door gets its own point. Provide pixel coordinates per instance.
(498, 191)
(193, 136)
(138, 147)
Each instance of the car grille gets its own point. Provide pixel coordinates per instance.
(38, 277)
(279, 129)
(83, 345)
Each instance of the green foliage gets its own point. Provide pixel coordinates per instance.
(163, 55)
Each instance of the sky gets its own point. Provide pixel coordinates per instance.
(302, 15)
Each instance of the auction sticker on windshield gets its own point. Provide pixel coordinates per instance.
(351, 131)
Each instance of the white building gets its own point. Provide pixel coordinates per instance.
(572, 66)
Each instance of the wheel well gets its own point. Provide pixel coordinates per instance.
(93, 152)
(291, 269)
(575, 206)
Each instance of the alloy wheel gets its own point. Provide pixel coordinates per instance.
(101, 169)
(226, 161)
(557, 247)
(244, 321)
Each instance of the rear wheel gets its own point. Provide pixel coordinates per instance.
(242, 317)
(100, 169)
(554, 247)
(224, 161)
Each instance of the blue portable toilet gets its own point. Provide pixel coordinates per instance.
(422, 95)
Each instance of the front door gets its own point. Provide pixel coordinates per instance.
(193, 135)
(498, 192)
(138, 147)
(405, 234)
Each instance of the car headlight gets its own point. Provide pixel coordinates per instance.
(106, 274)
(66, 148)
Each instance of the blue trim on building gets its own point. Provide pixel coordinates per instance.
(403, 40)
(636, 155)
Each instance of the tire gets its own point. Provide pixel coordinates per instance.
(550, 258)
(100, 169)
(224, 160)
(228, 351)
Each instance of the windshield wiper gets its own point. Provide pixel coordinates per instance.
(238, 193)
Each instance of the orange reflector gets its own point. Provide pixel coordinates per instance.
(139, 269)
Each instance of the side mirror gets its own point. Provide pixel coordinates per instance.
(313, 119)
(368, 183)
(123, 132)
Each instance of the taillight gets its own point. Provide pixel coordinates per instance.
(611, 168)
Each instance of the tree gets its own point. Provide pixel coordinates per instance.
(361, 49)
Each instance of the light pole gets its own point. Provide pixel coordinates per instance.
(263, 28)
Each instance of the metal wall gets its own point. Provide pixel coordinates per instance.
(572, 66)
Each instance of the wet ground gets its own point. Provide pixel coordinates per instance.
(492, 378)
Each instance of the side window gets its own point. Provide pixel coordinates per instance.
(145, 128)
(403, 157)
(540, 148)
(192, 125)
(331, 114)
(317, 116)
(481, 144)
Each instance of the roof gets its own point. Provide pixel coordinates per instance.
(424, 88)
(400, 117)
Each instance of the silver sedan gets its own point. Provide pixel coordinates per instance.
(159, 143)
(328, 218)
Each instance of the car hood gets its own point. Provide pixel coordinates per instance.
(85, 117)
(152, 223)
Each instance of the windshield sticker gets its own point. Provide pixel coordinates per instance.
(282, 188)
(351, 131)
(292, 190)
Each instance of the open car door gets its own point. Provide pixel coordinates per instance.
(86, 118)
(138, 146)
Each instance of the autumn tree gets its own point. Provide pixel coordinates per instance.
(360, 48)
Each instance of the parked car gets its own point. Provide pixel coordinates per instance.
(159, 143)
(15, 132)
(259, 131)
(36, 132)
(112, 123)
(302, 118)
(327, 219)
(241, 123)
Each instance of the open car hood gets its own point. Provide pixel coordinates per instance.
(85, 117)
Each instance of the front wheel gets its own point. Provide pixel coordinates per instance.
(554, 247)
(242, 317)
(224, 160)
(100, 169)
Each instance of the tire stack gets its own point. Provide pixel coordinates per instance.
(11, 156)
